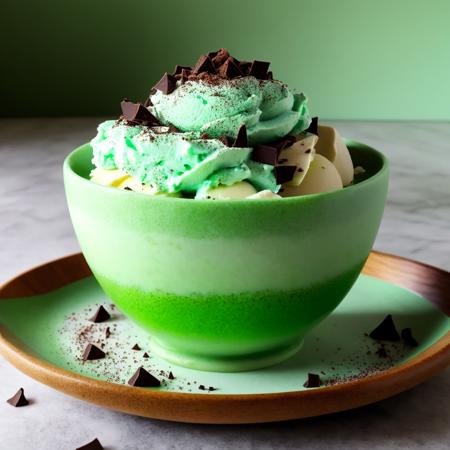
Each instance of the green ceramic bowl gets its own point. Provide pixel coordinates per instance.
(226, 285)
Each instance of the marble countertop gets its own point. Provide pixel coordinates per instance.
(35, 227)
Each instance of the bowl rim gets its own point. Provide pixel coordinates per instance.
(69, 171)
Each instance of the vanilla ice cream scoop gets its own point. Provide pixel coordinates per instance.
(331, 145)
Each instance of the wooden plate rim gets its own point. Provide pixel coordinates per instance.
(240, 408)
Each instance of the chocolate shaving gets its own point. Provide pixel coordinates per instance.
(142, 378)
(313, 126)
(92, 352)
(220, 57)
(287, 141)
(265, 154)
(408, 338)
(93, 445)
(283, 174)
(137, 113)
(245, 67)
(146, 355)
(108, 330)
(313, 381)
(166, 84)
(170, 376)
(230, 69)
(179, 69)
(225, 140)
(241, 138)
(259, 69)
(204, 64)
(385, 331)
(18, 399)
(135, 347)
(101, 315)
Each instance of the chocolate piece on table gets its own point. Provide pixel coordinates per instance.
(408, 338)
(135, 347)
(241, 138)
(229, 69)
(170, 376)
(166, 84)
(137, 112)
(204, 64)
(259, 69)
(313, 126)
(385, 331)
(101, 315)
(146, 355)
(313, 381)
(92, 352)
(93, 445)
(142, 378)
(18, 399)
(265, 154)
(283, 174)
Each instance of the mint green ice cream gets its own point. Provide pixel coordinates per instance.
(268, 108)
(174, 162)
(182, 140)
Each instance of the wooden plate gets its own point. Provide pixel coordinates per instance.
(35, 324)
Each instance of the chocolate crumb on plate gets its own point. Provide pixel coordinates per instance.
(313, 381)
(241, 138)
(202, 387)
(283, 174)
(93, 445)
(107, 332)
(385, 331)
(166, 84)
(408, 338)
(18, 399)
(135, 347)
(146, 355)
(101, 315)
(92, 352)
(142, 378)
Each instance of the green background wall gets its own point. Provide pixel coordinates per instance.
(355, 59)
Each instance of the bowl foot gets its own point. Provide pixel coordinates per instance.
(239, 363)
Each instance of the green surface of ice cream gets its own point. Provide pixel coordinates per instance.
(172, 161)
(268, 108)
